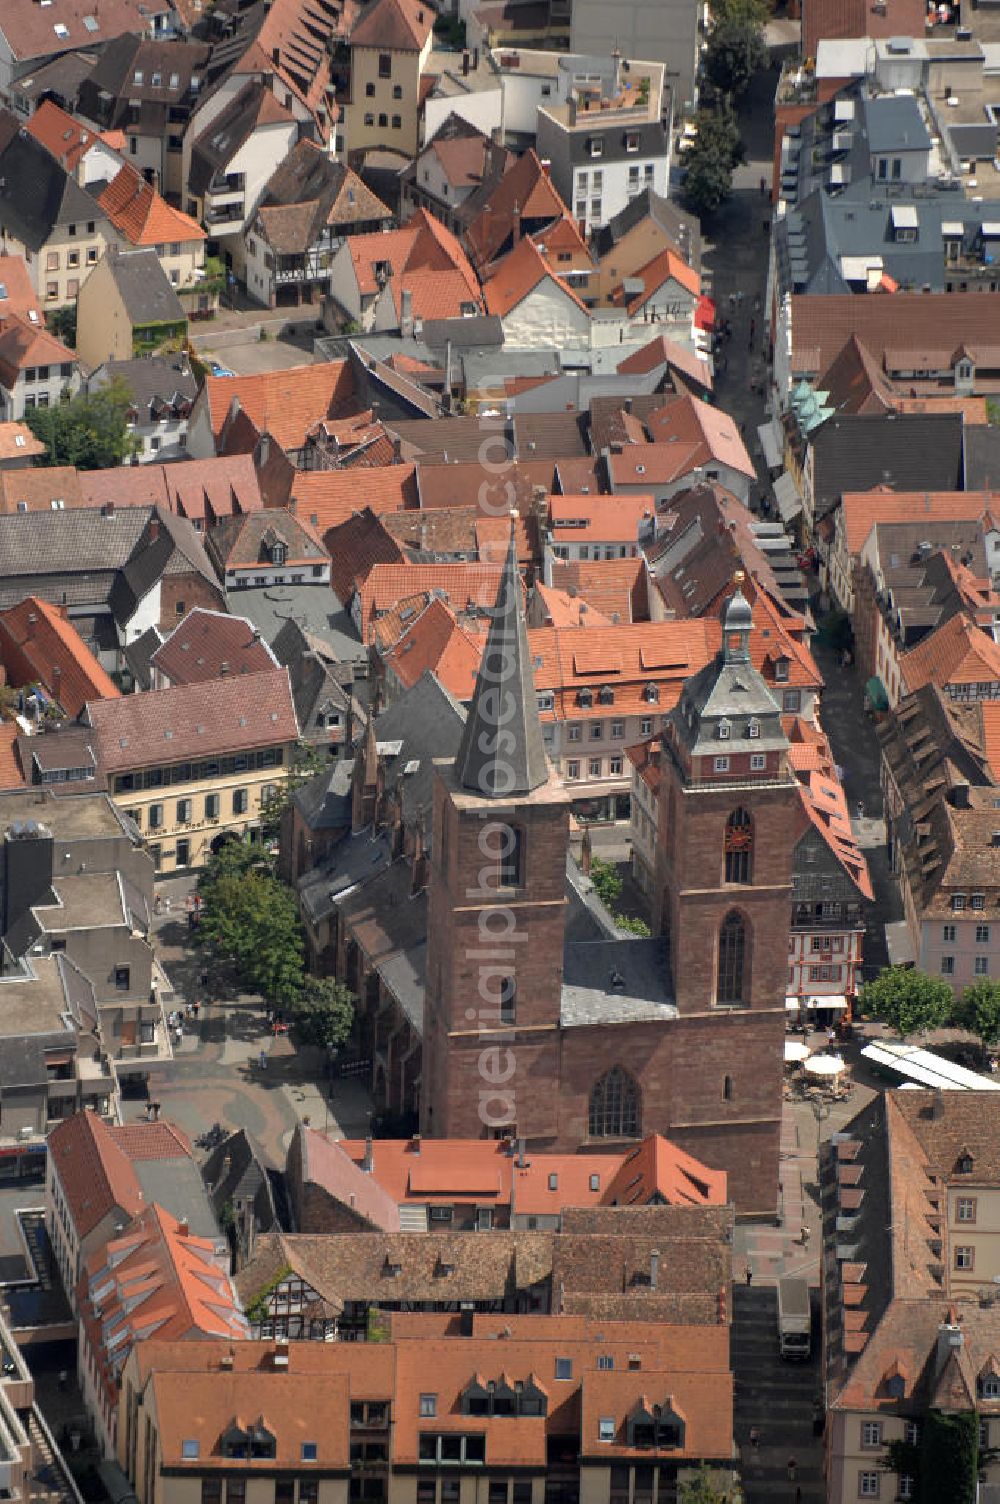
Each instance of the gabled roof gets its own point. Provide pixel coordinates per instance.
(143, 287)
(39, 644)
(863, 510)
(517, 275)
(421, 256)
(30, 29)
(355, 546)
(833, 20)
(308, 191)
(825, 802)
(614, 588)
(241, 542)
(398, 25)
(525, 195)
(170, 725)
(665, 267)
(435, 640)
(662, 351)
(95, 1173)
(284, 404)
(681, 228)
(18, 442)
(326, 498)
(36, 193)
(209, 645)
(957, 653)
(16, 292)
(23, 344)
(254, 107)
(142, 216)
(64, 137)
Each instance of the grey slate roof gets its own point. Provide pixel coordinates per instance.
(79, 541)
(910, 451)
(36, 193)
(502, 752)
(729, 695)
(615, 982)
(236, 1169)
(314, 607)
(325, 801)
(684, 229)
(176, 549)
(156, 378)
(895, 124)
(176, 1184)
(144, 287)
(982, 458)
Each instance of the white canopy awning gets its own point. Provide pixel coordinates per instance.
(904, 217)
(787, 496)
(836, 1001)
(769, 443)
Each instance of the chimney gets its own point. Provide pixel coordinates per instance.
(654, 1268)
(183, 1230)
(937, 1103)
(224, 669)
(397, 451)
(32, 623)
(276, 56)
(406, 313)
(264, 450)
(228, 1360)
(616, 77)
(415, 1144)
(465, 63)
(293, 505)
(465, 1318)
(949, 1340)
(154, 528)
(368, 1164)
(546, 164)
(108, 509)
(521, 1161)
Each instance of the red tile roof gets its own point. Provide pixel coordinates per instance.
(29, 29)
(614, 587)
(825, 802)
(914, 322)
(517, 275)
(11, 775)
(458, 584)
(862, 510)
(692, 420)
(436, 641)
(206, 643)
(525, 192)
(196, 720)
(286, 403)
(604, 519)
(355, 547)
(139, 213)
(17, 442)
(664, 351)
(957, 653)
(23, 343)
(18, 295)
(425, 258)
(834, 20)
(94, 1171)
(400, 25)
(560, 608)
(45, 488)
(39, 645)
(63, 137)
(666, 266)
(326, 498)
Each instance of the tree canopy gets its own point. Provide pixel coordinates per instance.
(910, 1002)
(323, 1012)
(252, 918)
(704, 1487)
(88, 431)
(978, 1010)
(736, 47)
(716, 151)
(306, 762)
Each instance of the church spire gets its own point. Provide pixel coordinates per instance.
(501, 753)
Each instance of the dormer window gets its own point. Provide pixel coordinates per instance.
(585, 698)
(279, 552)
(606, 695)
(781, 670)
(964, 1163)
(753, 730)
(651, 694)
(725, 730)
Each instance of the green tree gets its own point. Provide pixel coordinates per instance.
(251, 918)
(910, 1002)
(704, 1487)
(323, 1012)
(607, 882)
(716, 151)
(736, 47)
(306, 762)
(949, 1457)
(88, 431)
(978, 1010)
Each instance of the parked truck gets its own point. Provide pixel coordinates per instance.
(794, 1319)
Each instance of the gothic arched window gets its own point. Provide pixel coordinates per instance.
(732, 956)
(614, 1106)
(738, 847)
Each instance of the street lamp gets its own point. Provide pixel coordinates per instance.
(821, 1111)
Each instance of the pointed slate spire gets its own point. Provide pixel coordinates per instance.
(502, 753)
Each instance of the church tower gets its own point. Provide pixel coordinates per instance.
(727, 833)
(496, 905)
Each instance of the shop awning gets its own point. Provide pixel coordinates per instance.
(875, 694)
(836, 1001)
(792, 1004)
(787, 496)
(704, 313)
(767, 433)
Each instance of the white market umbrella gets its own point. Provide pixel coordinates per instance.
(795, 1051)
(824, 1065)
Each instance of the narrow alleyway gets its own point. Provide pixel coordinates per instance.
(776, 1397)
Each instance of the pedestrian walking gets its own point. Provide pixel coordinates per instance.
(763, 187)
(755, 1438)
(732, 299)
(263, 1060)
(749, 1274)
